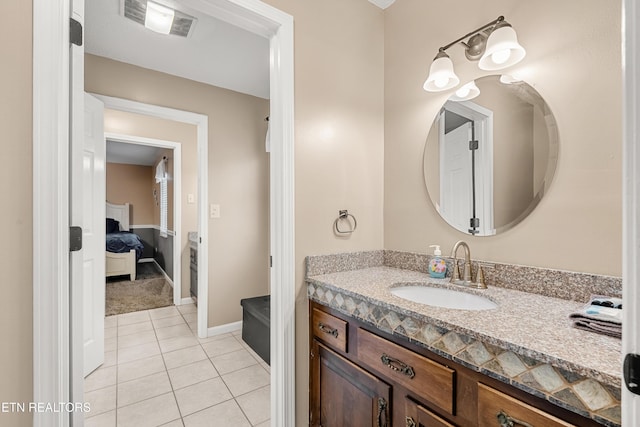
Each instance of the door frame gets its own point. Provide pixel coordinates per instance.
(177, 195)
(630, 198)
(52, 369)
(202, 136)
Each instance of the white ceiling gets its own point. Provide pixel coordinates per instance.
(131, 154)
(215, 53)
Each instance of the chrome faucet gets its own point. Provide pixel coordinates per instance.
(466, 275)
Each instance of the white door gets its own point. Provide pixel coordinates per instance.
(631, 204)
(455, 177)
(93, 233)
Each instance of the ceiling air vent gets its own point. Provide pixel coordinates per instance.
(136, 10)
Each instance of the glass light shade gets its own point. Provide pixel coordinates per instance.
(509, 79)
(159, 18)
(503, 49)
(441, 75)
(466, 92)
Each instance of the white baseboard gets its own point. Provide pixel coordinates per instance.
(144, 260)
(224, 329)
(188, 300)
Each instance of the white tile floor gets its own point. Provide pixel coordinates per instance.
(157, 372)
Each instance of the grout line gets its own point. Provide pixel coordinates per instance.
(238, 338)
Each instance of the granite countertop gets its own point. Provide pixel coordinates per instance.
(528, 324)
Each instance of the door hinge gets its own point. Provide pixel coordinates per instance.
(631, 371)
(75, 32)
(311, 355)
(270, 261)
(75, 238)
(473, 145)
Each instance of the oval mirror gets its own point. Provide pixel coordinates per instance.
(490, 155)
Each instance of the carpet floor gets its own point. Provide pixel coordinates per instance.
(149, 290)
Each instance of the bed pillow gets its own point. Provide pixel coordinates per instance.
(113, 226)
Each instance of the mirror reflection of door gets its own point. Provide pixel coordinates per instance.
(466, 167)
(456, 197)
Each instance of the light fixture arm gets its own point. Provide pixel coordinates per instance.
(493, 23)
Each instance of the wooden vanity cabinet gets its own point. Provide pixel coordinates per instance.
(361, 377)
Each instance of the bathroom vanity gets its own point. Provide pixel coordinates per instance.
(379, 360)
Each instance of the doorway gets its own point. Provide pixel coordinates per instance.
(131, 163)
(56, 350)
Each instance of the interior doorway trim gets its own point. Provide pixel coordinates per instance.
(52, 361)
(202, 125)
(177, 199)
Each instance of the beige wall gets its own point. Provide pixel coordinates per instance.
(16, 183)
(339, 119)
(512, 152)
(573, 60)
(238, 174)
(132, 124)
(132, 184)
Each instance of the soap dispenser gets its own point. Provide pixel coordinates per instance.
(437, 265)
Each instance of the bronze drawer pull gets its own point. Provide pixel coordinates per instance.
(382, 410)
(410, 422)
(397, 365)
(505, 420)
(327, 330)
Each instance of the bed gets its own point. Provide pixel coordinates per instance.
(123, 248)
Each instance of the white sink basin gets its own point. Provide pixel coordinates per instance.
(447, 298)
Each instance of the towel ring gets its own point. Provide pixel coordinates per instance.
(344, 214)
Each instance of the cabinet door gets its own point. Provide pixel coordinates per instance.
(343, 394)
(417, 415)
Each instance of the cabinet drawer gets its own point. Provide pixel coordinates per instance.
(497, 409)
(330, 329)
(428, 379)
(416, 415)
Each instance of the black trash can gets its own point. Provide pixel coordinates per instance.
(256, 322)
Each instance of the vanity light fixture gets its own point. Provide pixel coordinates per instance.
(495, 45)
(159, 18)
(509, 79)
(466, 92)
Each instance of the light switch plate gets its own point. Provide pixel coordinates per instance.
(214, 210)
(191, 198)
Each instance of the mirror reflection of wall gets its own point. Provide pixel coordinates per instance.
(490, 189)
